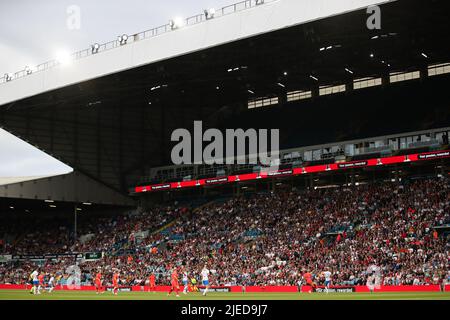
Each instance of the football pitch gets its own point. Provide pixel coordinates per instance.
(87, 295)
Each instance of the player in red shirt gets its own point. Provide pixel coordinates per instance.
(308, 278)
(98, 282)
(174, 283)
(152, 282)
(116, 282)
(41, 282)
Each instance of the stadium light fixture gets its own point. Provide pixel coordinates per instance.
(372, 55)
(28, 70)
(237, 68)
(87, 203)
(63, 57)
(424, 55)
(123, 39)
(210, 13)
(176, 23)
(250, 91)
(349, 71)
(285, 73)
(95, 48)
(49, 201)
(330, 47)
(281, 85)
(159, 87)
(314, 78)
(52, 206)
(11, 207)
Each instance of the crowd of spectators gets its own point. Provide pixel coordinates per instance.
(37, 235)
(272, 238)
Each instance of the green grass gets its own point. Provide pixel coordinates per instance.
(87, 295)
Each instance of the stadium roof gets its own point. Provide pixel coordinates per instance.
(113, 128)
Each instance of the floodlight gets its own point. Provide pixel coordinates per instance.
(210, 13)
(94, 48)
(63, 57)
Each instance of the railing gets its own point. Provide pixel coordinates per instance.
(200, 18)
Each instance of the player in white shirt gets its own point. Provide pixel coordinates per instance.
(327, 275)
(185, 282)
(300, 284)
(51, 284)
(205, 279)
(35, 278)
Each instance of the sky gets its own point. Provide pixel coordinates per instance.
(33, 31)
